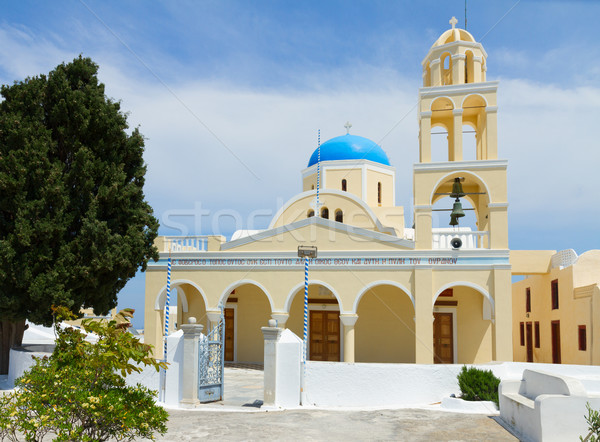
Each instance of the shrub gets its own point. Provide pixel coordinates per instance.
(593, 421)
(478, 385)
(79, 392)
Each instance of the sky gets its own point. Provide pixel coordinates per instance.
(230, 96)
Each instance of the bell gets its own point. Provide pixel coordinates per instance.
(457, 210)
(453, 220)
(457, 190)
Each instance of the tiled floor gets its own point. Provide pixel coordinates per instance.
(243, 387)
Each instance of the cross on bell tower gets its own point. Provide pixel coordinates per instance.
(453, 21)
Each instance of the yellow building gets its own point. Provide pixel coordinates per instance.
(557, 313)
(379, 292)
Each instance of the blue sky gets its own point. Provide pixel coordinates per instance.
(230, 95)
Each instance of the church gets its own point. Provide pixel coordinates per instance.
(379, 291)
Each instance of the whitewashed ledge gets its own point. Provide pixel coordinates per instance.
(457, 405)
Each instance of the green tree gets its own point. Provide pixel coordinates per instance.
(74, 224)
(79, 393)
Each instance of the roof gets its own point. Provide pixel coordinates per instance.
(350, 147)
(452, 35)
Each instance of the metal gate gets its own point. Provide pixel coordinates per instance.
(211, 361)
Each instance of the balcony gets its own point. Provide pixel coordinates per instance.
(191, 243)
(470, 239)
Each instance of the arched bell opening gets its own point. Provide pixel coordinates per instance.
(427, 76)
(460, 209)
(442, 123)
(474, 115)
(469, 67)
(439, 143)
(446, 66)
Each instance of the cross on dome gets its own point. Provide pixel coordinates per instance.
(347, 126)
(453, 21)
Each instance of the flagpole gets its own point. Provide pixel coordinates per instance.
(318, 171)
(166, 333)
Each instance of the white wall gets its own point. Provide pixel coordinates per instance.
(21, 359)
(335, 384)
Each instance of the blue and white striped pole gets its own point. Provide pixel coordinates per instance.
(318, 171)
(167, 307)
(305, 336)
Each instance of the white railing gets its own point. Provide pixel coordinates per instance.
(195, 243)
(470, 239)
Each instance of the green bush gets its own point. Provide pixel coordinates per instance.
(478, 385)
(593, 421)
(79, 392)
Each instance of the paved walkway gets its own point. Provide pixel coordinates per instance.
(239, 417)
(243, 389)
(405, 425)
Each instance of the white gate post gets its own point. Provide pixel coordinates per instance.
(283, 362)
(272, 335)
(191, 342)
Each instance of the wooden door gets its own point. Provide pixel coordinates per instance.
(443, 338)
(556, 342)
(229, 334)
(324, 335)
(529, 342)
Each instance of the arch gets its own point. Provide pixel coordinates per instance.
(344, 185)
(379, 192)
(325, 213)
(475, 287)
(441, 103)
(454, 174)
(473, 97)
(234, 285)
(310, 213)
(297, 287)
(469, 67)
(371, 285)
(161, 297)
(339, 216)
(446, 66)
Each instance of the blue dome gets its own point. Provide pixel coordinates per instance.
(350, 147)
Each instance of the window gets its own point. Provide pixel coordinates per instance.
(379, 193)
(310, 213)
(527, 300)
(537, 334)
(554, 287)
(522, 333)
(312, 187)
(325, 213)
(339, 216)
(344, 185)
(582, 338)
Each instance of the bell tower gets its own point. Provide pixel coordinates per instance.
(456, 95)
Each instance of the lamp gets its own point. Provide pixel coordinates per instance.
(309, 251)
